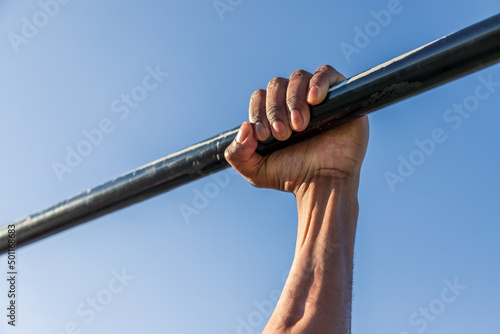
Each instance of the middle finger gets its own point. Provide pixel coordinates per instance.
(276, 109)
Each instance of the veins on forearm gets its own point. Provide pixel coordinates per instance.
(320, 281)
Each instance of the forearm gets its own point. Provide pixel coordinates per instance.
(317, 295)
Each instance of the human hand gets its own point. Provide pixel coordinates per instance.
(337, 153)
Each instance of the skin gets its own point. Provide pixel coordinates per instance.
(323, 174)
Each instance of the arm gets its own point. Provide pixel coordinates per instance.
(323, 173)
(317, 294)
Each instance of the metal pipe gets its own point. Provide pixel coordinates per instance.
(431, 65)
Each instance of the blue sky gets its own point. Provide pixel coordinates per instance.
(148, 267)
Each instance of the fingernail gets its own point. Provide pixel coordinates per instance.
(313, 92)
(261, 131)
(279, 127)
(297, 119)
(242, 134)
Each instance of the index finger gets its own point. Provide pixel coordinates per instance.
(324, 78)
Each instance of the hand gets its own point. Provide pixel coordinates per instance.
(336, 153)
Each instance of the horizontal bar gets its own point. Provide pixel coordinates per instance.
(431, 65)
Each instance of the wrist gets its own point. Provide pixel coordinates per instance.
(327, 180)
(327, 208)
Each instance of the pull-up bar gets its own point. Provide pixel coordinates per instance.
(434, 64)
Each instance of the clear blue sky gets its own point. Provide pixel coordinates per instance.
(217, 273)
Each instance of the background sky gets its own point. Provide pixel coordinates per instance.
(217, 271)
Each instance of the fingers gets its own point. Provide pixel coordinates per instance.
(284, 107)
(276, 109)
(324, 78)
(296, 99)
(257, 110)
(241, 152)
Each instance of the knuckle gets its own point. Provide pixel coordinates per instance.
(299, 74)
(275, 112)
(294, 102)
(276, 82)
(324, 68)
(259, 93)
(256, 103)
(315, 82)
(256, 116)
(228, 153)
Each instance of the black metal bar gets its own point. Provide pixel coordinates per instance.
(434, 64)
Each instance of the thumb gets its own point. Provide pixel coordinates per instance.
(241, 152)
